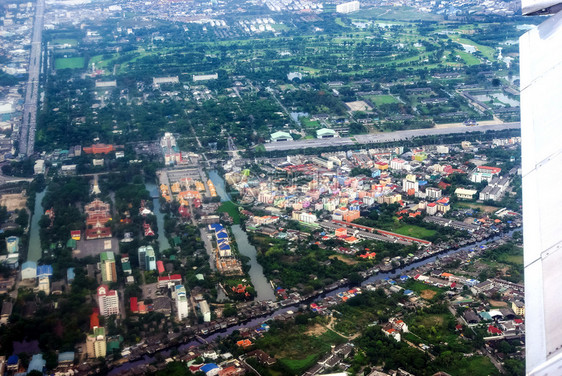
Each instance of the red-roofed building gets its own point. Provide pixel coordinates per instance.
(174, 279)
(160, 266)
(98, 149)
(494, 331)
(75, 234)
(95, 319)
(134, 304)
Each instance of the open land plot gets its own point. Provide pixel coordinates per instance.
(358, 106)
(381, 99)
(473, 366)
(13, 201)
(70, 41)
(344, 259)
(69, 63)
(94, 247)
(485, 208)
(428, 294)
(415, 231)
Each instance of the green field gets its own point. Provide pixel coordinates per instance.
(307, 123)
(69, 63)
(468, 58)
(415, 231)
(474, 366)
(297, 350)
(72, 42)
(232, 209)
(382, 99)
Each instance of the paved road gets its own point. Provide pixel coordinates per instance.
(29, 122)
(372, 138)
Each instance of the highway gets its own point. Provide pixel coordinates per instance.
(373, 138)
(29, 121)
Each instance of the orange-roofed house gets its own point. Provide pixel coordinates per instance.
(351, 240)
(244, 343)
(342, 231)
(99, 149)
(446, 275)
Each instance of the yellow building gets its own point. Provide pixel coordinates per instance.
(95, 343)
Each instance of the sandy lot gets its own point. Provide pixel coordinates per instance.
(428, 294)
(358, 106)
(344, 259)
(13, 201)
(316, 330)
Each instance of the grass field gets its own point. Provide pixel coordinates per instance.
(474, 366)
(232, 209)
(72, 42)
(382, 99)
(485, 208)
(297, 350)
(307, 123)
(468, 58)
(398, 14)
(415, 231)
(69, 63)
(489, 52)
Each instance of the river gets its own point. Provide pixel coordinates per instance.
(34, 250)
(162, 239)
(264, 291)
(258, 320)
(262, 286)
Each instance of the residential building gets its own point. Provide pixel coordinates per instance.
(348, 7)
(182, 307)
(12, 244)
(518, 307)
(96, 346)
(107, 264)
(465, 194)
(205, 310)
(147, 258)
(108, 301)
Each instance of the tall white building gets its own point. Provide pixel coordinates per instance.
(182, 307)
(348, 7)
(108, 301)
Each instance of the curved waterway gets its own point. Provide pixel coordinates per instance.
(34, 250)
(163, 242)
(264, 291)
(258, 320)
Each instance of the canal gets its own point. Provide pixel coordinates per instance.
(34, 250)
(258, 320)
(264, 291)
(162, 239)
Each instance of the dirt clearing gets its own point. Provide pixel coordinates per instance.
(428, 294)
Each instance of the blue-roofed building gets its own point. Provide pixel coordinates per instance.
(210, 369)
(37, 363)
(70, 275)
(404, 278)
(221, 235)
(13, 363)
(44, 271)
(485, 315)
(408, 292)
(224, 247)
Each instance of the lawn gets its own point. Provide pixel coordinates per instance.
(72, 42)
(232, 209)
(468, 58)
(474, 366)
(307, 123)
(382, 99)
(415, 231)
(296, 350)
(69, 62)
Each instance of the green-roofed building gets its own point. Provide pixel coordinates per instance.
(326, 133)
(281, 136)
(71, 243)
